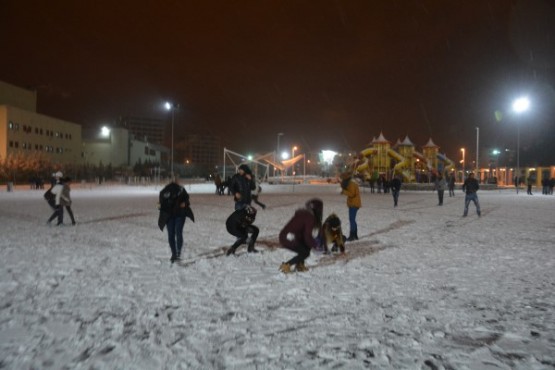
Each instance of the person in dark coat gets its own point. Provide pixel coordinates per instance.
(529, 183)
(241, 186)
(395, 189)
(299, 234)
(451, 185)
(470, 187)
(240, 225)
(174, 208)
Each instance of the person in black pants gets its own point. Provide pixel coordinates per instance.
(297, 235)
(240, 225)
(395, 189)
(174, 207)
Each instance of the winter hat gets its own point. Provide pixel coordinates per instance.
(59, 174)
(245, 168)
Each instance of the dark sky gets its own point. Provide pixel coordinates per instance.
(326, 73)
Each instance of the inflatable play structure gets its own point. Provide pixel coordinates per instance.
(381, 158)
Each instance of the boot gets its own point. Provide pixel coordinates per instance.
(285, 268)
(301, 267)
(251, 249)
(231, 251)
(352, 236)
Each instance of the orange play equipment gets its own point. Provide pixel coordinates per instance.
(400, 159)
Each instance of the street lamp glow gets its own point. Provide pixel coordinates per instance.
(171, 107)
(105, 131)
(284, 155)
(521, 104)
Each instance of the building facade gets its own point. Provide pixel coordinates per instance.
(24, 131)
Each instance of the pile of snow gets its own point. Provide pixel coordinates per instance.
(423, 288)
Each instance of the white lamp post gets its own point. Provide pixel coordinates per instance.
(293, 149)
(520, 105)
(172, 107)
(277, 150)
(462, 150)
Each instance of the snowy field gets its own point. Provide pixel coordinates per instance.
(423, 288)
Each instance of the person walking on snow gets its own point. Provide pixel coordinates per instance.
(395, 189)
(174, 207)
(65, 198)
(470, 187)
(299, 234)
(256, 193)
(240, 225)
(58, 208)
(440, 186)
(452, 185)
(241, 186)
(350, 188)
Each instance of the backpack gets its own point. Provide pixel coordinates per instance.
(50, 198)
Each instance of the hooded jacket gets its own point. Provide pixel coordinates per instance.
(301, 228)
(351, 190)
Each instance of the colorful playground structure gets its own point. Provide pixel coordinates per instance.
(381, 158)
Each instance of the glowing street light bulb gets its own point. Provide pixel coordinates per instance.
(105, 131)
(521, 104)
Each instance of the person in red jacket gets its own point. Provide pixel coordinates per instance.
(299, 234)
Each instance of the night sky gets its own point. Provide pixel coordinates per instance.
(328, 74)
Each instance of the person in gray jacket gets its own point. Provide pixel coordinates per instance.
(65, 198)
(440, 185)
(57, 191)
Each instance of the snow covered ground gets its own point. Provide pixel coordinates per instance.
(424, 289)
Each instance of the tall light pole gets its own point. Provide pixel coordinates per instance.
(277, 150)
(462, 150)
(293, 156)
(172, 107)
(520, 105)
(477, 152)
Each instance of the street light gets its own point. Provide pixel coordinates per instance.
(462, 150)
(293, 156)
(520, 105)
(171, 106)
(277, 150)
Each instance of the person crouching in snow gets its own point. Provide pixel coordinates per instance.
(297, 235)
(332, 234)
(240, 225)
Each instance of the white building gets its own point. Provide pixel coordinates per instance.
(24, 131)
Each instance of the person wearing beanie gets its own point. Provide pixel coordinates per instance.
(241, 186)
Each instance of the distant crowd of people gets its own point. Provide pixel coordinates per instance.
(304, 232)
